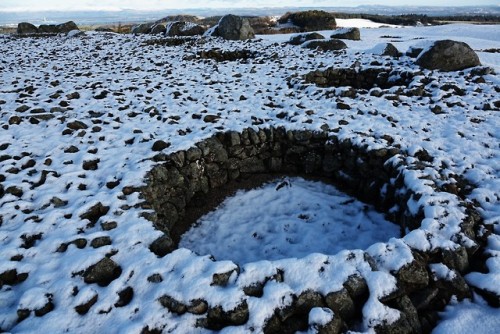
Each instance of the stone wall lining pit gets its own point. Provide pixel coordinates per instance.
(227, 161)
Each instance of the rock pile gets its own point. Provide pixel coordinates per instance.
(347, 33)
(25, 28)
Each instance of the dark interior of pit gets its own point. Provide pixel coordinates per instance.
(188, 184)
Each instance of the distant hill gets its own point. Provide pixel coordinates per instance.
(132, 16)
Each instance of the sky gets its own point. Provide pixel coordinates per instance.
(68, 5)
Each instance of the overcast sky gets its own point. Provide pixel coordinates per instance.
(64, 5)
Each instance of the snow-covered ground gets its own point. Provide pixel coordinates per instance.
(52, 175)
(285, 219)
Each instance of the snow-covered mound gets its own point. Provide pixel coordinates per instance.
(84, 119)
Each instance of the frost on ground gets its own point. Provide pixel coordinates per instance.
(82, 118)
(286, 219)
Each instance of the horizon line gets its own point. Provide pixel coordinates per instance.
(119, 9)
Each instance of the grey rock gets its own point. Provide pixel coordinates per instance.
(222, 279)
(198, 306)
(12, 277)
(448, 55)
(413, 276)
(326, 45)
(334, 326)
(57, 28)
(77, 125)
(233, 27)
(25, 28)
(302, 38)
(341, 303)
(95, 213)
(84, 308)
(91, 164)
(100, 242)
(144, 28)
(103, 272)
(172, 305)
(162, 246)
(217, 318)
(308, 300)
(182, 28)
(158, 29)
(347, 33)
(160, 145)
(456, 259)
(125, 296)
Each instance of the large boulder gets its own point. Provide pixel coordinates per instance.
(326, 45)
(57, 28)
(158, 29)
(448, 55)
(144, 28)
(302, 38)
(183, 28)
(347, 33)
(232, 27)
(25, 28)
(67, 27)
(310, 20)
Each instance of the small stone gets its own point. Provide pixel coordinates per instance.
(15, 120)
(103, 272)
(77, 125)
(222, 279)
(73, 96)
(343, 106)
(211, 118)
(172, 305)
(108, 226)
(85, 307)
(95, 212)
(11, 277)
(100, 242)
(162, 246)
(91, 164)
(160, 145)
(57, 202)
(13, 190)
(71, 149)
(155, 278)
(125, 297)
(22, 108)
(198, 306)
(48, 307)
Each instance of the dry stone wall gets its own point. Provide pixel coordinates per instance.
(182, 179)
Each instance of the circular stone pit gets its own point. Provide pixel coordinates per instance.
(438, 228)
(287, 218)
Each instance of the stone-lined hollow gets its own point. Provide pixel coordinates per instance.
(287, 218)
(188, 183)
